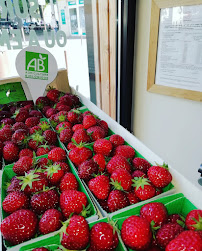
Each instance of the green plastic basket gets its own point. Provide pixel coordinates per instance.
(52, 242)
(8, 174)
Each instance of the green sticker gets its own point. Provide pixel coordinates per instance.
(11, 92)
(36, 65)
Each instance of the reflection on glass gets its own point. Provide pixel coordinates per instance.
(73, 21)
(82, 20)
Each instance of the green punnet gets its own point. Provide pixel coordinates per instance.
(198, 225)
(86, 211)
(116, 185)
(52, 169)
(44, 125)
(140, 182)
(28, 179)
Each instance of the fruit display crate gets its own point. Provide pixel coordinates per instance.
(6, 177)
(53, 242)
(175, 204)
(192, 191)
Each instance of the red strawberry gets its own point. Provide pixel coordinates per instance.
(35, 113)
(70, 146)
(117, 200)
(118, 162)
(96, 132)
(76, 127)
(74, 98)
(66, 100)
(143, 188)
(7, 121)
(121, 180)
(35, 129)
(15, 201)
(50, 112)
(159, 176)
(5, 134)
(57, 154)
(23, 165)
(20, 137)
(14, 185)
(89, 121)
(126, 151)
(104, 126)
(102, 146)
(136, 233)
(159, 191)
(43, 162)
(186, 241)
(69, 182)
(41, 102)
(21, 116)
(86, 169)
(176, 218)
(61, 116)
(156, 212)
(76, 234)
(81, 136)
(61, 107)
(40, 249)
(74, 116)
(100, 186)
(36, 140)
(42, 150)
(50, 136)
(45, 109)
(141, 164)
(54, 174)
(63, 125)
(53, 95)
(167, 233)
(99, 159)
(194, 220)
(33, 121)
(19, 125)
(52, 121)
(50, 221)
(116, 140)
(20, 226)
(10, 152)
(103, 237)
(138, 174)
(133, 199)
(72, 201)
(66, 135)
(87, 113)
(44, 200)
(33, 182)
(79, 155)
(64, 166)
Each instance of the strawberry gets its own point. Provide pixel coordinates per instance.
(40, 249)
(50, 112)
(45, 109)
(117, 200)
(35, 129)
(194, 220)
(187, 240)
(35, 113)
(136, 233)
(99, 159)
(36, 140)
(14, 185)
(5, 134)
(81, 136)
(72, 201)
(20, 137)
(167, 233)
(100, 186)
(33, 182)
(32, 121)
(1, 148)
(74, 116)
(138, 174)
(44, 126)
(43, 162)
(156, 212)
(50, 221)
(96, 132)
(89, 121)
(61, 107)
(176, 218)
(144, 190)
(50, 136)
(42, 150)
(87, 113)
(66, 135)
(15, 201)
(21, 116)
(44, 200)
(54, 174)
(70, 146)
(124, 150)
(69, 182)
(103, 236)
(116, 140)
(7, 121)
(10, 152)
(86, 169)
(74, 98)
(75, 233)
(20, 226)
(141, 164)
(41, 102)
(53, 95)
(19, 125)
(159, 191)
(102, 146)
(23, 165)
(76, 127)
(133, 199)
(57, 154)
(104, 126)
(63, 125)
(121, 180)
(66, 100)
(80, 154)
(118, 162)
(64, 166)
(159, 176)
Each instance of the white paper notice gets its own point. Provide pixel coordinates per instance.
(179, 57)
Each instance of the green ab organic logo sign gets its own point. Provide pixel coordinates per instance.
(36, 65)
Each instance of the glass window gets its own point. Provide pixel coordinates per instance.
(73, 21)
(82, 20)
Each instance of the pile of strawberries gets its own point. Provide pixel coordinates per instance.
(155, 230)
(115, 176)
(41, 195)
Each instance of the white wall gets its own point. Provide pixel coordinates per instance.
(171, 127)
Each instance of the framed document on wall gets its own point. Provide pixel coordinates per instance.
(175, 49)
